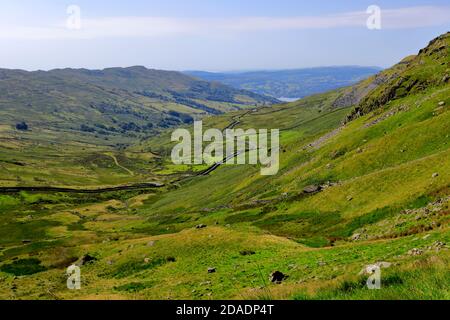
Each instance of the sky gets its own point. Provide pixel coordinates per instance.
(215, 35)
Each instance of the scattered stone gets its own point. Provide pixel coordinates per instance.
(437, 246)
(356, 236)
(370, 269)
(200, 226)
(87, 258)
(146, 260)
(349, 198)
(110, 262)
(441, 104)
(328, 184)
(435, 175)
(321, 263)
(277, 277)
(211, 270)
(312, 189)
(415, 252)
(247, 252)
(384, 264)
(151, 243)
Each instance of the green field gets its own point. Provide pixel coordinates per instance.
(378, 156)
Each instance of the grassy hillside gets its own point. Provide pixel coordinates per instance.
(296, 83)
(382, 194)
(113, 102)
(70, 127)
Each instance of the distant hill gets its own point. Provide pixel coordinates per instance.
(115, 100)
(297, 83)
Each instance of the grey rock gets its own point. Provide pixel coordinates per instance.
(87, 258)
(415, 252)
(356, 236)
(211, 270)
(369, 269)
(312, 189)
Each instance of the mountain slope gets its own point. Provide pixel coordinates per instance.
(381, 194)
(115, 100)
(415, 74)
(70, 127)
(296, 83)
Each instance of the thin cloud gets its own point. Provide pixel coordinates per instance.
(401, 18)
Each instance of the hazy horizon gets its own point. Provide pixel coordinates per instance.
(223, 36)
(197, 70)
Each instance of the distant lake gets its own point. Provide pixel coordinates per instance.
(288, 99)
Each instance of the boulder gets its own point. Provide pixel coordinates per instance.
(246, 252)
(211, 270)
(415, 252)
(312, 189)
(435, 175)
(369, 269)
(87, 258)
(277, 277)
(356, 236)
(438, 245)
(201, 226)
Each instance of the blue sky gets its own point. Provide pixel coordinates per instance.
(215, 35)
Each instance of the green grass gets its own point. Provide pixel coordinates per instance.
(378, 177)
(23, 267)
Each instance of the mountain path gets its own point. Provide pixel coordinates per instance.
(119, 165)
